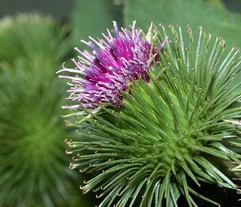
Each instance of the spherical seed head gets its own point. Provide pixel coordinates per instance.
(169, 129)
(101, 76)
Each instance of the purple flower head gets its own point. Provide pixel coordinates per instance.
(101, 76)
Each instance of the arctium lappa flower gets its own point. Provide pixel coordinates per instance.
(179, 120)
(100, 77)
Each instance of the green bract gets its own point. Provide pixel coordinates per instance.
(174, 129)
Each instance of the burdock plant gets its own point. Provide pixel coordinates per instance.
(157, 114)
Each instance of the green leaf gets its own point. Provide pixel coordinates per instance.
(93, 18)
(218, 3)
(186, 12)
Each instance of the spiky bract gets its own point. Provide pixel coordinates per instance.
(169, 130)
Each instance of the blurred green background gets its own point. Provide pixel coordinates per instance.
(36, 37)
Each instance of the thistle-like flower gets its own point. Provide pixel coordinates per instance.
(102, 76)
(177, 124)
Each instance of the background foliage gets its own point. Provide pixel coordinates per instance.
(33, 168)
(216, 20)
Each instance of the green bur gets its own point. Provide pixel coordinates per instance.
(33, 169)
(171, 131)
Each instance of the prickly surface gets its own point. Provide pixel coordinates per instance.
(169, 129)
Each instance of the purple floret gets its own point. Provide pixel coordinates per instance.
(101, 76)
